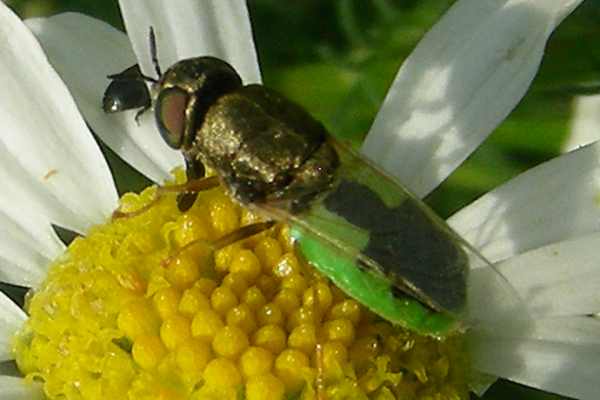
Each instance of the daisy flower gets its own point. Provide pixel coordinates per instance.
(540, 229)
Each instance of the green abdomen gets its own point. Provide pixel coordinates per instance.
(398, 261)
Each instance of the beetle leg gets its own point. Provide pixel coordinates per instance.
(141, 112)
(240, 234)
(132, 73)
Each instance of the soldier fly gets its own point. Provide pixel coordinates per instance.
(357, 225)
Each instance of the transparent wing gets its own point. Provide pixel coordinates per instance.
(386, 248)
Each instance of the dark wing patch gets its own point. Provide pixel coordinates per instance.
(414, 253)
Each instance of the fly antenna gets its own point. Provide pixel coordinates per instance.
(154, 52)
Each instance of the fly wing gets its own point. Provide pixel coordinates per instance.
(408, 243)
(333, 246)
(385, 247)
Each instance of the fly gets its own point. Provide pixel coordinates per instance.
(354, 223)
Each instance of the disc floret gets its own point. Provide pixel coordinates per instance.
(143, 308)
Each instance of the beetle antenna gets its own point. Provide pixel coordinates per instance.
(154, 53)
(148, 78)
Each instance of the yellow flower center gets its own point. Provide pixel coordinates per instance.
(143, 308)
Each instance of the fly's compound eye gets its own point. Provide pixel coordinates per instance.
(172, 117)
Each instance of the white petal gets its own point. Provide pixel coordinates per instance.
(585, 123)
(187, 28)
(12, 388)
(11, 319)
(557, 355)
(84, 51)
(29, 244)
(461, 81)
(579, 329)
(492, 299)
(559, 279)
(555, 201)
(45, 146)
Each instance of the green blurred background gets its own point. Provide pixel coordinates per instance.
(340, 68)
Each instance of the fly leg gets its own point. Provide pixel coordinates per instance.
(192, 187)
(194, 170)
(240, 234)
(187, 192)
